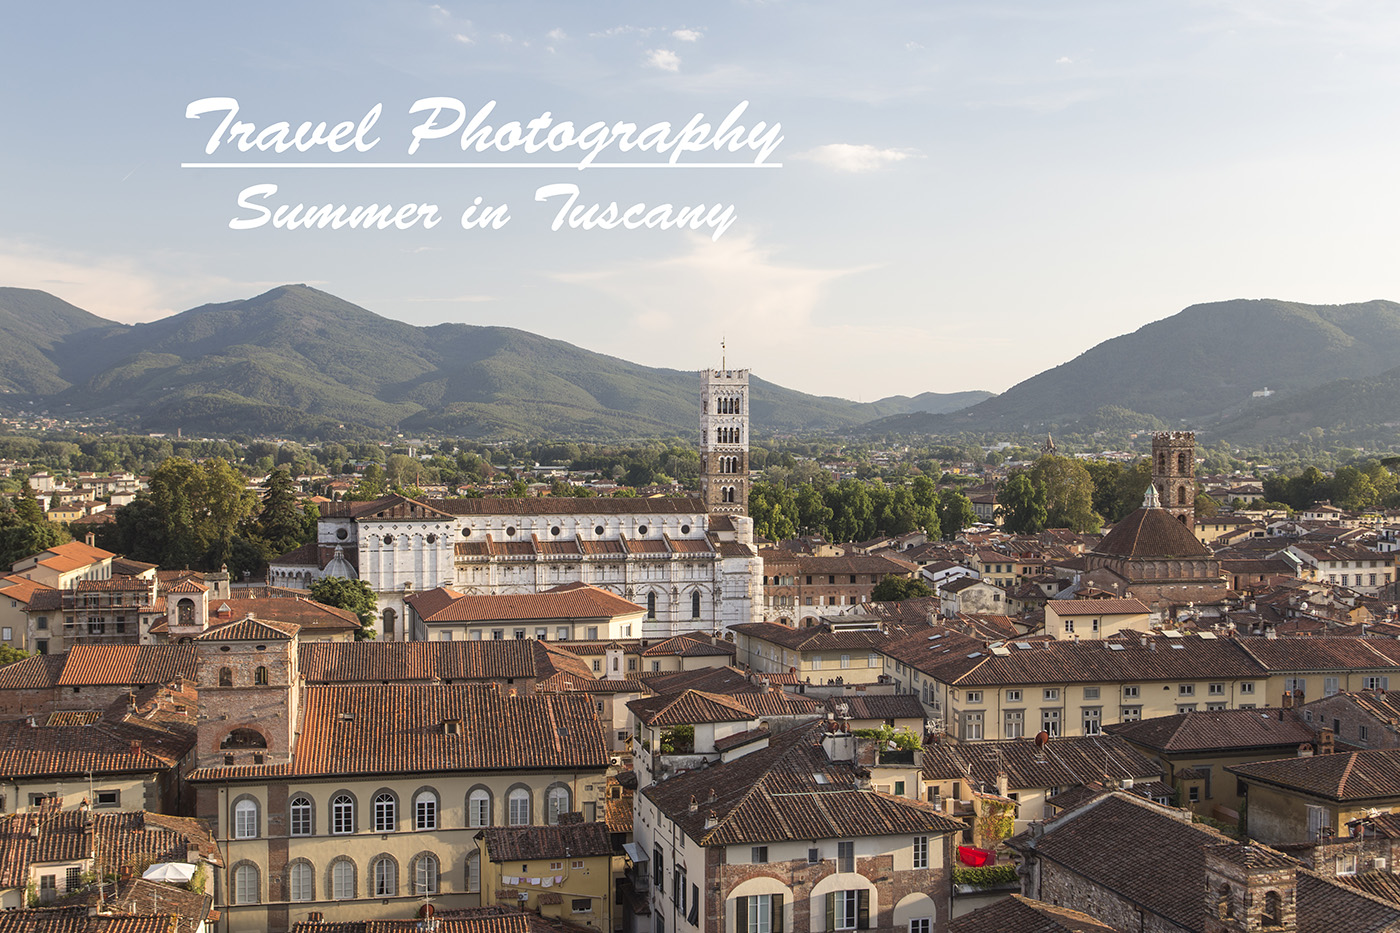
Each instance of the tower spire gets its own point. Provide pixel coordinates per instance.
(722, 366)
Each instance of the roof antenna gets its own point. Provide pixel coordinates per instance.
(722, 365)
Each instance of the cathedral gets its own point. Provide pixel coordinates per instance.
(690, 562)
(1153, 554)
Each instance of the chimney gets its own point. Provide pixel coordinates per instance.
(1326, 742)
(694, 805)
(1288, 699)
(135, 746)
(1305, 750)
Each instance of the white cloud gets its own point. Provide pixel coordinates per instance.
(664, 59)
(557, 35)
(115, 287)
(687, 35)
(623, 31)
(1064, 60)
(464, 38)
(913, 46)
(719, 288)
(850, 157)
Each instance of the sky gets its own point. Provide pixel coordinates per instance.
(958, 195)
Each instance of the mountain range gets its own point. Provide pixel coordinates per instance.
(297, 361)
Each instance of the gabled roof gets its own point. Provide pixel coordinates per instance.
(1215, 731)
(250, 629)
(1354, 776)
(1096, 607)
(1020, 914)
(97, 665)
(689, 707)
(564, 505)
(385, 662)
(585, 602)
(789, 790)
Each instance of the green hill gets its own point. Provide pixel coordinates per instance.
(1200, 366)
(33, 325)
(299, 361)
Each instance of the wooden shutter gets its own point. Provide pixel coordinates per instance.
(863, 910)
(777, 915)
(831, 911)
(693, 914)
(741, 915)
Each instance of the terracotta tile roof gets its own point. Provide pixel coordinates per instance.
(789, 790)
(890, 706)
(1218, 730)
(824, 638)
(709, 679)
(122, 837)
(561, 505)
(1101, 841)
(1382, 884)
(1064, 762)
(250, 629)
(33, 673)
(188, 586)
(21, 589)
(854, 563)
(524, 843)
(100, 747)
(586, 602)
(138, 897)
(689, 707)
(495, 919)
(1095, 607)
(385, 507)
(97, 665)
(1148, 533)
(401, 729)
(79, 920)
(1363, 775)
(1322, 654)
(1020, 914)
(691, 646)
(384, 662)
(619, 814)
(306, 613)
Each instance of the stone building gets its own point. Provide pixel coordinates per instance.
(724, 440)
(1174, 474)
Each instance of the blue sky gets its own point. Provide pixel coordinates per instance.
(969, 192)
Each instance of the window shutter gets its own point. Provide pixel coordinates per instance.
(863, 910)
(693, 916)
(777, 919)
(831, 911)
(677, 891)
(741, 915)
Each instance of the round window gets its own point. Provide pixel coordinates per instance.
(554, 531)
(388, 539)
(685, 529)
(510, 530)
(597, 529)
(223, 647)
(342, 533)
(431, 538)
(466, 532)
(641, 529)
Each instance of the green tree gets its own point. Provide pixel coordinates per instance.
(893, 589)
(189, 517)
(813, 514)
(1021, 505)
(773, 510)
(1069, 493)
(351, 595)
(955, 512)
(27, 507)
(281, 519)
(1130, 488)
(9, 654)
(24, 539)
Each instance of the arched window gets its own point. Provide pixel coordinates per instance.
(260, 677)
(184, 612)
(245, 819)
(695, 605)
(245, 884)
(342, 879)
(389, 618)
(244, 738)
(474, 873)
(479, 808)
(1224, 904)
(425, 810)
(518, 807)
(651, 605)
(225, 677)
(301, 882)
(386, 877)
(1181, 462)
(386, 813)
(1181, 495)
(1161, 463)
(425, 874)
(556, 802)
(342, 814)
(1273, 909)
(300, 813)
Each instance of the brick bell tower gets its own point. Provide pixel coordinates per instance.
(724, 440)
(1174, 473)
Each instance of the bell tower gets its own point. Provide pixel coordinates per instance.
(1174, 473)
(724, 440)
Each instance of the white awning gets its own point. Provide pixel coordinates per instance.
(634, 852)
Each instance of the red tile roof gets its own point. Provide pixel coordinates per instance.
(1096, 607)
(1149, 533)
(250, 629)
(1354, 776)
(526, 843)
(1218, 730)
(400, 729)
(1020, 914)
(384, 662)
(96, 665)
(586, 602)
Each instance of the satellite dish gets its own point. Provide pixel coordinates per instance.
(1042, 739)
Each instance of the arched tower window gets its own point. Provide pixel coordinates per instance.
(1181, 462)
(244, 738)
(225, 677)
(1273, 909)
(1181, 495)
(651, 605)
(695, 605)
(185, 611)
(1161, 462)
(389, 618)
(260, 677)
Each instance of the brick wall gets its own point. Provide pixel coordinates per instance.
(1065, 888)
